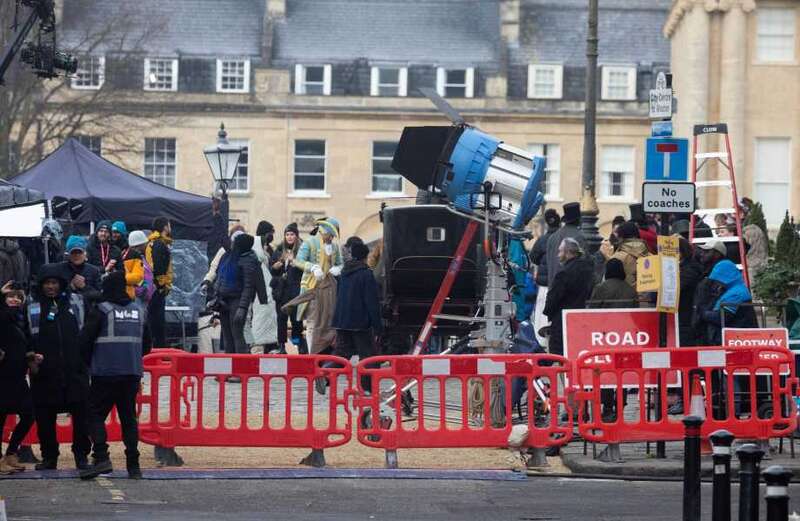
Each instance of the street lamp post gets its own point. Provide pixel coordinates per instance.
(589, 210)
(223, 159)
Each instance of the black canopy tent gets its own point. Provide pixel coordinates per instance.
(109, 192)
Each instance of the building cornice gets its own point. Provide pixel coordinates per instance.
(681, 7)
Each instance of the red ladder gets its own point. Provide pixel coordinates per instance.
(725, 158)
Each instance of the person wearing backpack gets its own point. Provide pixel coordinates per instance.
(139, 282)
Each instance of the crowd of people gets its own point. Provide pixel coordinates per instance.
(713, 291)
(74, 340)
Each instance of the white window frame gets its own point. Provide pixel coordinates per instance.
(558, 80)
(174, 84)
(373, 157)
(88, 137)
(175, 164)
(300, 79)
(375, 81)
(246, 84)
(309, 192)
(630, 70)
(469, 78)
(628, 180)
(552, 172)
(242, 143)
(758, 178)
(784, 13)
(101, 60)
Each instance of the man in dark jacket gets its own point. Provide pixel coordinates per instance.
(691, 273)
(570, 289)
(239, 280)
(571, 229)
(113, 342)
(357, 318)
(82, 278)
(159, 256)
(101, 252)
(61, 383)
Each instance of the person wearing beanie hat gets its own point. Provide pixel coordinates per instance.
(238, 282)
(115, 339)
(83, 278)
(262, 331)
(538, 258)
(318, 257)
(101, 251)
(570, 229)
(286, 285)
(119, 236)
(357, 319)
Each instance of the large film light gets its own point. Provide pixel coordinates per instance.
(458, 162)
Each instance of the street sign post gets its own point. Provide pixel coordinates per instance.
(667, 159)
(661, 99)
(668, 197)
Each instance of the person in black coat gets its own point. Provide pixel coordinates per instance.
(101, 252)
(15, 357)
(691, 273)
(570, 289)
(82, 278)
(62, 381)
(239, 280)
(286, 286)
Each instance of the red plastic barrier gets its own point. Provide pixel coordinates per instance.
(190, 400)
(740, 390)
(456, 377)
(63, 430)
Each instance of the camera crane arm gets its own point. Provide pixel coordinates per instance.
(16, 45)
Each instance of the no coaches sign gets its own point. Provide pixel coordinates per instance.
(668, 197)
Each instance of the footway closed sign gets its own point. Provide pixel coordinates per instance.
(668, 197)
(587, 330)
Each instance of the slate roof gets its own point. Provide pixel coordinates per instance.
(167, 27)
(463, 32)
(629, 32)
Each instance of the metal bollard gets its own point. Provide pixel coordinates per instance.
(749, 467)
(721, 502)
(777, 496)
(691, 469)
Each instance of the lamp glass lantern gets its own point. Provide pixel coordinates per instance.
(223, 158)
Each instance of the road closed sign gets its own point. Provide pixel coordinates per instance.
(668, 197)
(587, 330)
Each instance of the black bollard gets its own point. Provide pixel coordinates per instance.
(691, 469)
(721, 503)
(777, 496)
(749, 467)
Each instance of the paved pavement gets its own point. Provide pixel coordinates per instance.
(537, 499)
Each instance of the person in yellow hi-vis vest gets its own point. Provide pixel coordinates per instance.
(319, 256)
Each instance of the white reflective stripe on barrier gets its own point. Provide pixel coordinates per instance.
(273, 366)
(655, 360)
(218, 365)
(777, 492)
(487, 366)
(436, 367)
(711, 358)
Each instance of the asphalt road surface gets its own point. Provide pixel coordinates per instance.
(537, 499)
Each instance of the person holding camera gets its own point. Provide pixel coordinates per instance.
(16, 358)
(285, 286)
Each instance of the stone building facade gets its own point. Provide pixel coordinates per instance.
(320, 90)
(736, 61)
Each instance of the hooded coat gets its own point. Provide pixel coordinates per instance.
(722, 293)
(758, 254)
(614, 292)
(13, 264)
(15, 395)
(629, 251)
(263, 327)
(357, 303)
(246, 281)
(63, 376)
